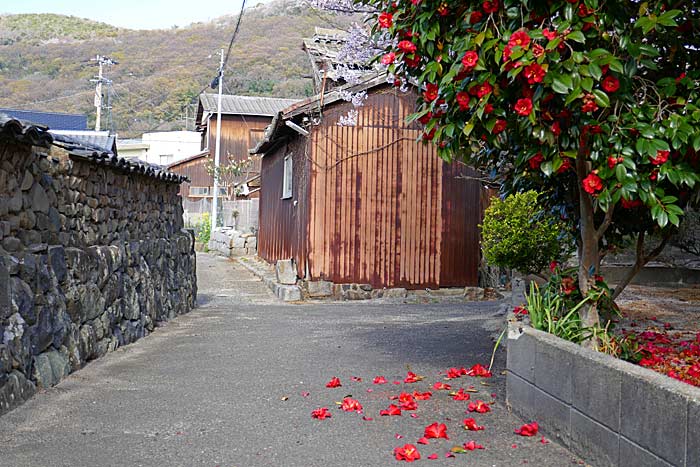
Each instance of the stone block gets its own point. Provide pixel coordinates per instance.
(5, 294)
(692, 456)
(320, 289)
(286, 271)
(15, 391)
(597, 389)
(596, 443)
(43, 374)
(395, 293)
(632, 455)
(60, 366)
(532, 403)
(553, 370)
(288, 293)
(521, 356)
(238, 242)
(653, 416)
(473, 294)
(57, 260)
(40, 202)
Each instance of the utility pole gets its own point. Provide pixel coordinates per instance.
(100, 80)
(217, 152)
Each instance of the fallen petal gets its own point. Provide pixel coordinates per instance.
(423, 440)
(432, 457)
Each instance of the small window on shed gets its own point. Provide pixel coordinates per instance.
(287, 178)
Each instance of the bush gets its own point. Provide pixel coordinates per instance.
(517, 234)
(202, 229)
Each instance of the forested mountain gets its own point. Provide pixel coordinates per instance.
(45, 62)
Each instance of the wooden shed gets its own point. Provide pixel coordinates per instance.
(366, 204)
(243, 123)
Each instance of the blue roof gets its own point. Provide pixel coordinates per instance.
(53, 120)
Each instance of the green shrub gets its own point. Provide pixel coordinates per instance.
(202, 229)
(518, 234)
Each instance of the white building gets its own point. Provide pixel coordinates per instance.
(162, 148)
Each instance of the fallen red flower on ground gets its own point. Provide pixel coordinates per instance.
(423, 440)
(408, 453)
(392, 410)
(472, 445)
(379, 380)
(411, 377)
(479, 370)
(479, 406)
(460, 395)
(441, 386)
(321, 413)
(351, 405)
(470, 424)
(529, 429)
(436, 430)
(334, 382)
(422, 396)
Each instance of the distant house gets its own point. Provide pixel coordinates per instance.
(161, 148)
(243, 122)
(366, 204)
(53, 120)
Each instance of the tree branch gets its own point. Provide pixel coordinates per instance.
(606, 223)
(640, 262)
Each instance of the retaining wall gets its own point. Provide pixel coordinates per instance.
(93, 256)
(610, 412)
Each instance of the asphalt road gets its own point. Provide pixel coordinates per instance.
(223, 386)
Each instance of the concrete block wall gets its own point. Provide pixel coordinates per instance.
(610, 412)
(229, 242)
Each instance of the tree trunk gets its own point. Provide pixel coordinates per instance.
(589, 257)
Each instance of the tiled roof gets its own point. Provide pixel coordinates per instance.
(23, 132)
(102, 141)
(130, 166)
(244, 105)
(53, 120)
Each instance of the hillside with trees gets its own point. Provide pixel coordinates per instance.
(45, 62)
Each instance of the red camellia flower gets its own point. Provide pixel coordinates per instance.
(393, 410)
(441, 386)
(426, 118)
(654, 175)
(565, 165)
(479, 407)
(456, 372)
(386, 20)
(549, 34)
(409, 405)
(431, 92)
(523, 106)
(568, 286)
(661, 157)
(427, 137)
(379, 380)
(443, 10)
(333, 383)
(481, 90)
(471, 445)
(408, 453)
(612, 162)
(475, 17)
(519, 39)
(490, 7)
(592, 184)
(534, 73)
(460, 395)
(488, 108)
(556, 129)
(470, 424)
(407, 47)
(411, 377)
(529, 429)
(436, 430)
(470, 59)
(422, 396)
(518, 310)
(630, 204)
(553, 266)
(499, 126)
(610, 84)
(537, 50)
(388, 59)
(479, 370)
(321, 413)
(351, 405)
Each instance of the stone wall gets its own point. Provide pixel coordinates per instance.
(92, 257)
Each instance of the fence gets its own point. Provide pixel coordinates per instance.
(244, 220)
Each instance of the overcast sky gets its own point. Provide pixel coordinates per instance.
(134, 14)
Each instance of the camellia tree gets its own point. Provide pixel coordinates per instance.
(592, 103)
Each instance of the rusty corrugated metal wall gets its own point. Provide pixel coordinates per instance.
(283, 222)
(384, 209)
